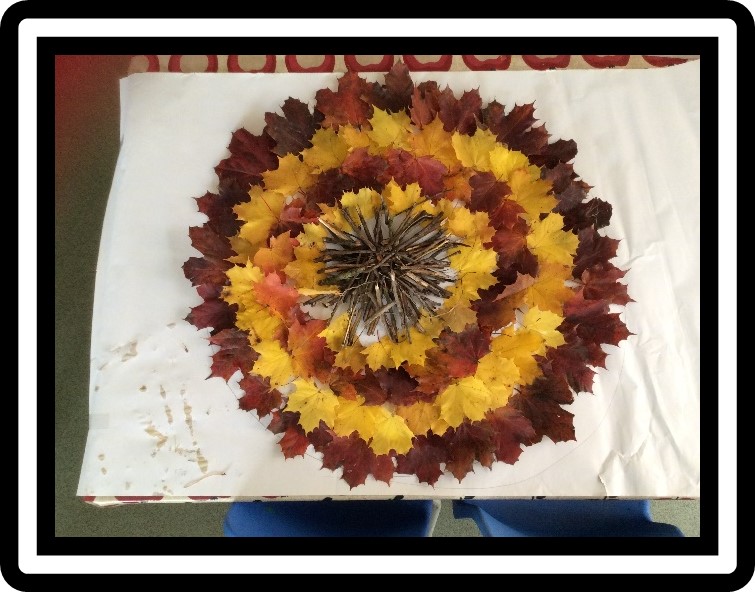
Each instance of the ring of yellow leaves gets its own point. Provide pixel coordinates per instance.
(511, 360)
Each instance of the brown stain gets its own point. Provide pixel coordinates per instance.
(127, 351)
(168, 414)
(187, 418)
(186, 349)
(161, 438)
(201, 461)
(162, 391)
(143, 388)
(101, 456)
(103, 470)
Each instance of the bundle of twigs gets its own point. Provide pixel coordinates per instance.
(387, 269)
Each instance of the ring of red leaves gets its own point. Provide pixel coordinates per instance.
(533, 413)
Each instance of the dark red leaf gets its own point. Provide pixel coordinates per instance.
(383, 468)
(292, 131)
(213, 313)
(201, 270)
(346, 105)
(250, 156)
(397, 384)
(605, 328)
(208, 242)
(282, 420)
(396, 93)
(515, 128)
(425, 103)
(547, 417)
(552, 154)
(601, 282)
(424, 459)
(234, 353)
(459, 353)
(551, 386)
(467, 443)
(294, 442)
(511, 429)
(462, 114)
(568, 199)
(560, 176)
(209, 291)
(593, 249)
(364, 167)
(595, 213)
(354, 455)
(259, 395)
(219, 211)
(406, 168)
(321, 436)
(571, 361)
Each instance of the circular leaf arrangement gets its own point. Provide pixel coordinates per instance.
(408, 281)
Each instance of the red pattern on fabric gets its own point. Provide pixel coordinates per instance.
(234, 66)
(537, 63)
(131, 499)
(353, 65)
(660, 61)
(606, 61)
(328, 63)
(174, 64)
(442, 64)
(502, 62)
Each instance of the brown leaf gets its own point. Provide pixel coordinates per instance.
(511, 429)
(259, 395)
(425, 104)
(292, 131)
(294, 442)
(515, 128)
(216, 314)
(250, 156)
(462, 114)
(424, 459)
(396, 93)
(406, 168)
(234, 353)
(346, 105)
(467, 443)
(593, 249)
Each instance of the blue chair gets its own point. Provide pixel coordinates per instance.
(352, 518)
(563, 518)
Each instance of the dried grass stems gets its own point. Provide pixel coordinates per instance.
(389, 271)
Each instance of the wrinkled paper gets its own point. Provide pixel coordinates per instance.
(158, 427)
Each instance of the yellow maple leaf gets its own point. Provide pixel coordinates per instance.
(435, 141)
(548, 240)
(474, 266)
(356, 416)
(532, 193)
(457, 186)
(242, 278)
(292, 175)
(503, 162)
(544, 323)
(520, 346)
(466, 224)
(353, 137)
(335, 331)
(422, 417)
(303, 270)
(259, 214)
(351, 357)
(242, 249)
(366, 199)
(548, 291)
(274, 362)
(474, 151)
(328, 150)
(313, 403)
(467, 398)
(401, 199)
(259, 321)
(457, 317)
(499, 375)
(389, 129)
(392, 433)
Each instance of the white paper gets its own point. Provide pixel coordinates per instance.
(158, 428)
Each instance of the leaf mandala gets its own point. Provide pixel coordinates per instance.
(408, 281)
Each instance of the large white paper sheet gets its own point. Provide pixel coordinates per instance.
(159, 428)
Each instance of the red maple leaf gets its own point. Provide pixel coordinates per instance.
(211, 268)
(601, 282)
(396, 93)
(276, 294)
(219, 211)
(571, 361)
(552, 154)
(292, 131)
(294, 442)
(548, 418)
(425, 105)
(459, 353)
(593, 249)
(346, 105)
(310, 355)
(405, 168)
(332, 184)
(213, 313)
(515, 128)
(604, 328)
(560, 175)
(424, 459)
(354, 455)
(397, 385)
(511, 429)
(364, 167)
(234, 353)
(595, 213)
(258, 395)
(461, 114)
(250, 156)
(280, 421)
(467, 443)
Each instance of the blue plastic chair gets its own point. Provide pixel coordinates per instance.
(352, 518)
(563, 518)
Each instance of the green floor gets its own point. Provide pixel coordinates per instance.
(86, 127)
